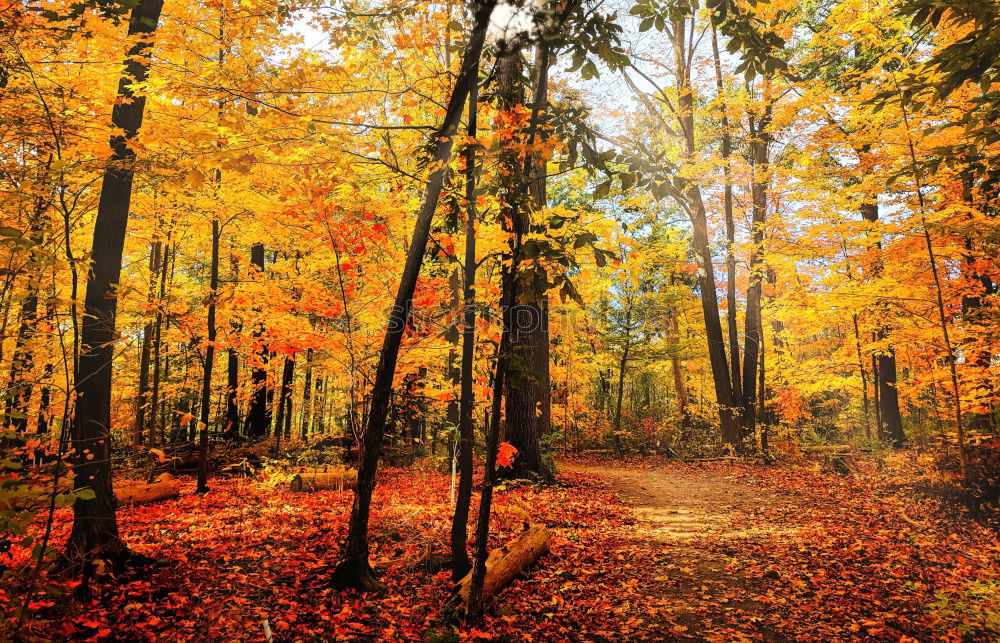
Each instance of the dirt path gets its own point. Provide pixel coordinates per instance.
(694, 520)
(681, 505)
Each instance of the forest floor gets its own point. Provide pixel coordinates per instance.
(643, 549)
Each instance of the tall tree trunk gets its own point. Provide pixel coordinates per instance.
(232, 425)
(95, 524)
(890, 420)
(865, 405)
(319, 406)
(703, 252)
(206, 380)
(675, 365)
(727, 206)
(973, 303)
(950, 354)
(538, 191)
(524, 380)
(759, 153)
(354, 569)
(307, 395)
(460, 564)
(508, 299)
(259, 415)
(155, 419)
(765, 417)
(285, 399)
(22, 363)
(141, 399)
(621, 387)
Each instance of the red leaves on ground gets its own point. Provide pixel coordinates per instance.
(801, 555)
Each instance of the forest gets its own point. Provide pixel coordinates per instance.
(513, 320)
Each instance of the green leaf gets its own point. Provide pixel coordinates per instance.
(85, 494)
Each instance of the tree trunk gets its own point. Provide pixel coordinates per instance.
(727, 206)
(523, 381)
(306, 395)
(759, 159)
(622, 363)
(538, 171)
(141, 400)
(259, 415)
(206, 380)
(508, 295)
(890, 420)
(335, 479)
(460, 564)
(703, 251)
(154, 407)
(864, 380)
(282, 424)
(675, 365)
(22, 363)
(95, 525)
(354, 569)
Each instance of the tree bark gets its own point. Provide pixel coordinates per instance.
(95, 525)
(703, 252)
(460, 564)
(141, 400)
(727, 206)
(259, 415)
(337, 479)
(22, 363)
(282, 424)
(759, 159)
(864, 379)
(675, 365)
(206, 380)
(890, 420)
(354, 570)
(621, 367)
(307, 395)
(154, 407)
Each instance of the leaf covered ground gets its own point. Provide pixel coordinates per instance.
(642, 550)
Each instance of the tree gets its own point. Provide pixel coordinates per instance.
(95, 527)
(460, 564)
(354, 570)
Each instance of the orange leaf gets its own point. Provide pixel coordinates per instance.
(505, 456)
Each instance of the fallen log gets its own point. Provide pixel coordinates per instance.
(164, 488)
(324, 480)
(828, 448)
(502, 566)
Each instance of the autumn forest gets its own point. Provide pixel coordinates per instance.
(542, 320)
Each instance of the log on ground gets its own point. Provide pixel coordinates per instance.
(503, 565)
(324, 480)
(163, 488)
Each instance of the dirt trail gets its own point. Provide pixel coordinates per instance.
(693, 519)
(682, 504)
